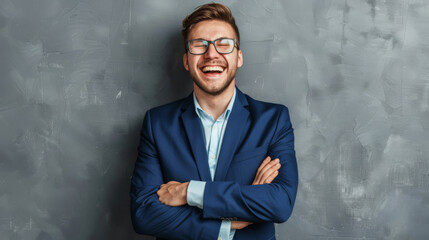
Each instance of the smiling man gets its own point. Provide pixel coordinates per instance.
(213, 72)
(217, 164)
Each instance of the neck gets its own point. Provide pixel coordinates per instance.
(214, 105)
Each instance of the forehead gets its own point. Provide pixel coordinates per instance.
(212, 29)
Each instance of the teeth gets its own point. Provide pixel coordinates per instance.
(212, 69)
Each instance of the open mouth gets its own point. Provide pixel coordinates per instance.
(212, 69)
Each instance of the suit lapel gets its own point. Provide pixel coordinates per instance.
(233, 135)
(196, 138)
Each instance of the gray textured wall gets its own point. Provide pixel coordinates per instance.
(76, 77)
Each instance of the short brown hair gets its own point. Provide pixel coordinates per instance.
(209, 11)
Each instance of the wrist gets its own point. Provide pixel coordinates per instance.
(185, 191)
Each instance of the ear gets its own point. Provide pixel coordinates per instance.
(239, 59)
(185, 61)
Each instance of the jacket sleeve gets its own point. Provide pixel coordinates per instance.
(259, 203)
(149, 215)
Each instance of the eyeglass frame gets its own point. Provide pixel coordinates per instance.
(212, 42)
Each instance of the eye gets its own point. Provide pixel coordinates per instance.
(199, 43)
(225, 42)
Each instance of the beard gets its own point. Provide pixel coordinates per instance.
(213, 92)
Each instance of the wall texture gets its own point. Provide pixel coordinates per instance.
(76, 77)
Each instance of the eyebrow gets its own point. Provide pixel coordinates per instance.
(211, 40)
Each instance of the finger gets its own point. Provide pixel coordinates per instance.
(265, 162)
(268, 171)
(162, 198)
(258, 173)
(172, 182)
(245, 224)
(268, 166)
(239, 224)
(172, 189)
(272, 177)
(160, 192)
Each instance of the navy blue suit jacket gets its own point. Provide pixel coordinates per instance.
(172, 148)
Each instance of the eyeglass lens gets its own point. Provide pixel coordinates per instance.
(222, 45)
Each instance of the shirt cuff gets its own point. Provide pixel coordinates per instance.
(231, 234)
(195, 193)
(225, 232)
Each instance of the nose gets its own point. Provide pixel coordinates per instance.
(211, 51)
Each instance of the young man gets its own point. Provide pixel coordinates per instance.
(217, 164)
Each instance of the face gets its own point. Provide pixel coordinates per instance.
(213, 72)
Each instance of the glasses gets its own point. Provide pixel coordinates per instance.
(222, 45)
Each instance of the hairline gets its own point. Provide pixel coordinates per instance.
(220, 20)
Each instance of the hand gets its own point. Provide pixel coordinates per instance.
(239, 224)
(173, 193)
(267, 171)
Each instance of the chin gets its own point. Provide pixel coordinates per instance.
(214, 91)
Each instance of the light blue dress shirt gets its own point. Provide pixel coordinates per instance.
(213, 134)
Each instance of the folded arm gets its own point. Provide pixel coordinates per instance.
(149, 215)
(176, 194)
(259, 203)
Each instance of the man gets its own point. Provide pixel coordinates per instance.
(217, 164)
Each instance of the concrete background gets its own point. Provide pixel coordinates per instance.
(76, 77)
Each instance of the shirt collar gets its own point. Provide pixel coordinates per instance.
(224, 115)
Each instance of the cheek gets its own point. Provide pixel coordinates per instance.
(193, 63)
(233, 61)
